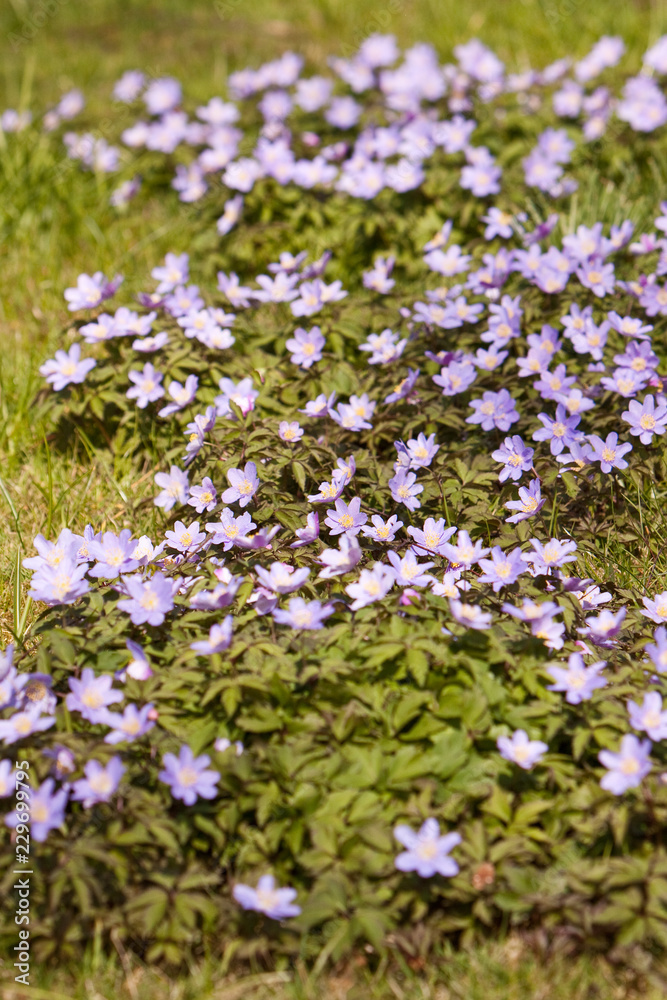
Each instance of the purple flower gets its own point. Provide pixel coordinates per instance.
(266, 898)
(204, 497)
(99, 782)
(221, 596)
(560, 432)
(60, 584)
(378, 278)
(608, 453)
(242, 394)
(219, 638)
(306, 346)
(502, 569)
(229, 528)
(186, 539)
(646, 419)
(657, 651)
(133, 723)
(597, 276)
(516, 457)
(629, 326)
(422, 451)
(372, 585)
(639, 356)
(290, 431)
(552, 384)
(278, 289)
(66, 368)
(282, 578)
(602, 630)
(47, 810)
(341, 560)
(626, 382)
(548, 555)
(520, 750)
(188, 777)
(403, 388)
(321, 406)
(24, 723)
(231, 215)
(455, 377)
(174, 487)
(162, 95)
(432, 538)
(498, 224)
(347, 517)
(355, 415)
(540, 171)
(656, 609)
(129, 85)
(138, 668)
(405, 489)
(308, 534)
(427, 851)
(408, 572)
(182, 395)
(243, 485)
(7, 779)
(147, 387)
(114, 554)
(469, 615)
(464, 553)
(91, 291)
(304, 614)
(482, 179)
(649, 716)
(149, 600)
(51, 554)
(627, 768)
(577, 680)
(329, 492)
(91, 695)
(494, 409)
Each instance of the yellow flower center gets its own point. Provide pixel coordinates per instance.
(40, 813)
(101, 783)
(187, 776)
(92, 699)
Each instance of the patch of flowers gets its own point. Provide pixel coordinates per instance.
(368, 607)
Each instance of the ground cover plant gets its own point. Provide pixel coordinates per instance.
(353, 670)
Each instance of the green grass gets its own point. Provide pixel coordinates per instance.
(55, 223)
(514, 970)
